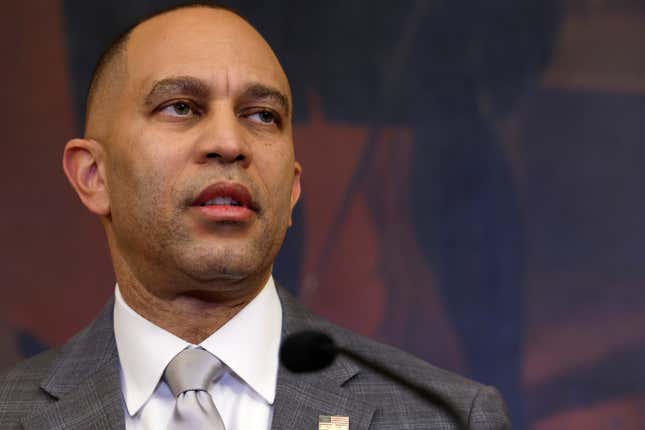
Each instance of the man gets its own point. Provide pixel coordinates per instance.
(189, 163)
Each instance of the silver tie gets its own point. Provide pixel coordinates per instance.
(188, 376)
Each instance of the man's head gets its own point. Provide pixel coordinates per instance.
(188, 155)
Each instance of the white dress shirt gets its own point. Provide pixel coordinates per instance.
(248, 345)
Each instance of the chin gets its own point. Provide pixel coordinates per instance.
(227, 266)
(224, 260)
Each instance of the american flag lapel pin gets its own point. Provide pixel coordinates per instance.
(333, 422)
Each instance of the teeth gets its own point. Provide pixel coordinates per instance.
(221, 201)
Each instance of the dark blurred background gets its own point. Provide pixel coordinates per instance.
(473, 190)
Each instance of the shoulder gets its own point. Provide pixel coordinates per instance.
(20, 387)
(479, 405)
(26, 373)
(37, 381)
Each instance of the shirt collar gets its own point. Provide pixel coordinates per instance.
(248, 344)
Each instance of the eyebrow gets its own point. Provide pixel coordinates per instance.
(177, 85)
(258, 91)
(200, 89)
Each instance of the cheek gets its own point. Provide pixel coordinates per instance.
(282, 189)
(275, 162)
(137, 187)
(149, 161)
(278, 180)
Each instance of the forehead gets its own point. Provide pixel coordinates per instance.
(214, 45)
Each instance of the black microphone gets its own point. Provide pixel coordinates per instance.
(310, 351)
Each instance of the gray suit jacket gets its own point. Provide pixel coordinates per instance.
(77, 386)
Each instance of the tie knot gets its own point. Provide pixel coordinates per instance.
(192, 370)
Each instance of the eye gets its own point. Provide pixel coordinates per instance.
(264, 116)
(178, 109)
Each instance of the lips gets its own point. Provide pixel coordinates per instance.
(226, 194)
(226, 201)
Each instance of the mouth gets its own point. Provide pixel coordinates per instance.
(221, 201)
(226, 201)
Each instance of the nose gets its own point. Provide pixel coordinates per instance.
(223, 139)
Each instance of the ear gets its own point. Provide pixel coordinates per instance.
(295, 188)
(82, 163)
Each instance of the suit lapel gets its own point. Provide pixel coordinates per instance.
(85, 382)
(301, 398)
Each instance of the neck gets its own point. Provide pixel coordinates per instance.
(192, 317)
